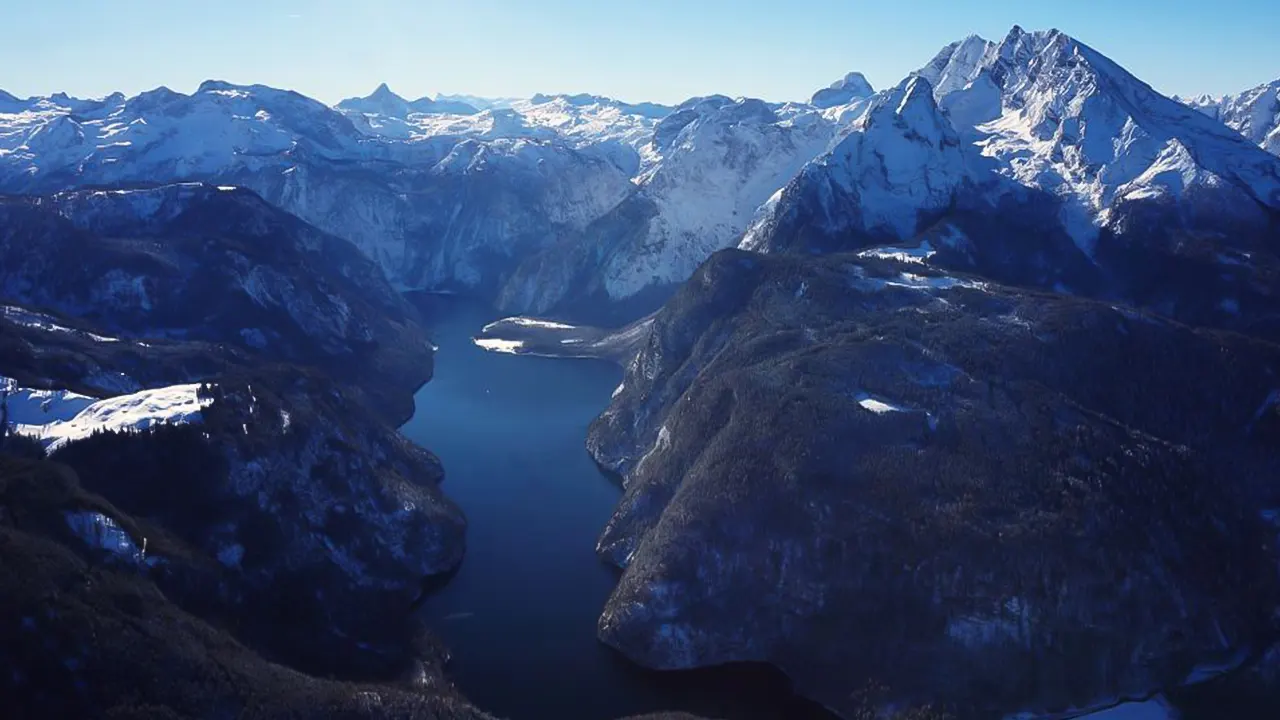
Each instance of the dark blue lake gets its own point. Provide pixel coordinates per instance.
(520, 614)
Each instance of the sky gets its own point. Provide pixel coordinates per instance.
(635, 50)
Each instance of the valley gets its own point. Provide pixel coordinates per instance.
(953, 399)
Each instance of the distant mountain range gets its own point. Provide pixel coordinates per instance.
(965, 386)
(640, 193)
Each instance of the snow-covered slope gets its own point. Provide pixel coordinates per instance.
(65, 417)
(1254, 113)
(899, 162)
(162, 134)
(33, 406)
(721, 163)
(1048, 164)
(709, 166)
(580, 120)
(433, 211)
(1058, 116)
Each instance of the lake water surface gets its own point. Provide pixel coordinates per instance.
(520, 614)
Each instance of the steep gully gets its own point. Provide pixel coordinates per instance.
(520, 614)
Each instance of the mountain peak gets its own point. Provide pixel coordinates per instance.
(217, 86)
(382, 101)
(853, 80)
(853, 86)
(1015, 34)
(910, 109)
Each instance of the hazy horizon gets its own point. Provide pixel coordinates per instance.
(663, 51)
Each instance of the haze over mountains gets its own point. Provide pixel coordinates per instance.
(963, 388)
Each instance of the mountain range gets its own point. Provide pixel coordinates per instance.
(964, 388)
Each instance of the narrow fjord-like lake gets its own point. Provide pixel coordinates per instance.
(520, 614)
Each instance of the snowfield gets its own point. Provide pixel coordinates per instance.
(59, 417)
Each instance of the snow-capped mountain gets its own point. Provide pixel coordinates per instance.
(382, 101)
(709, 166)
(718, 160)
(1058, 116)
(1254, 113)
(1127, 192)
(580, 120)
(562, 197)
(162, 135)
(477, 101)
(447, 200)
(899, 162)
(430, 209)
(853, 86)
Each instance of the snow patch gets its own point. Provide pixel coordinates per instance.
(918, 254)
(101, 532)
(876, 405)
(509, 347)
(29, 406)
(39, 321)
(175, 405)
(911, 281)
(527, 322)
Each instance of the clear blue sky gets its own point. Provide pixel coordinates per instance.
(660, 50)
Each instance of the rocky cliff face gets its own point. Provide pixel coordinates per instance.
(863, 467)
(271, 503)
(299, 493)
(711, 164)
(216, 265)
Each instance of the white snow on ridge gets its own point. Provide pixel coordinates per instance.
(30, 406)
(910, 281)
(174, 405)
(580, 120)
(710, 168)
(1254, 113)
(527, 322)
(40, 321)
(917, 254)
